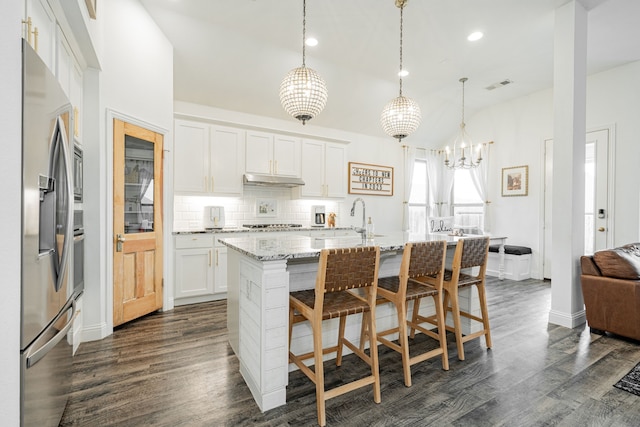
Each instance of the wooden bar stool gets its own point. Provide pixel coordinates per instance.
(346, 283)
(470, 252)
(421, 275)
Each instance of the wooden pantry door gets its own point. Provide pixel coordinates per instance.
(137, 221)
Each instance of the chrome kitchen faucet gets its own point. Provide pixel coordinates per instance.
(362, 230)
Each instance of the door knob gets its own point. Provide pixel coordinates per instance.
(119, 240)
(601, 229)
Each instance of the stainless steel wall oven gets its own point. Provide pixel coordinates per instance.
(77, 174)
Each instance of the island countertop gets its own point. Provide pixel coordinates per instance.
(279, 247)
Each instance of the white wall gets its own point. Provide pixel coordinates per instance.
(385, 211)
(519, 128)
(10, 193)
(136, 84)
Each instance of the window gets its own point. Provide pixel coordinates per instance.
(418, 199)
(468, 207)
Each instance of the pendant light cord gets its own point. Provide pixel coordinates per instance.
(401, 21)
(304, 30)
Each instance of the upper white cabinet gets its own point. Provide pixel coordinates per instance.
(272, 154)
(39, 29)
(208, 159)
(324, 169)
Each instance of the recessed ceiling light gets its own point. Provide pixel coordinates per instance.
(311, 41)
(475, 36)
(403, 73)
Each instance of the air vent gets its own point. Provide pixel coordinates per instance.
(499, 84)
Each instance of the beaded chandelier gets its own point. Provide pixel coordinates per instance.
(401, 117)
(303, 93)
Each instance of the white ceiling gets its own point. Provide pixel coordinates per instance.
(234, 54)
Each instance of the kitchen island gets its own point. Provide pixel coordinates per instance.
(262, 270)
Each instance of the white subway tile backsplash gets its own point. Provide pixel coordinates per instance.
(188, 210)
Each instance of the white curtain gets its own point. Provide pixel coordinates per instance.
(480, 177)
(409, 163)
(440, 185)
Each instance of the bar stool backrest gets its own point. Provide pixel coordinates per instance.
(348, 268)
(474, 252)
(427, 258)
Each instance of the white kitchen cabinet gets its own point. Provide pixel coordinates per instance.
(64, 62)
(324, 169)
(43, 31)
(194, 268)
(272, 154)
(208, 159)
(220, 267)
(76, 100)
(200, 268)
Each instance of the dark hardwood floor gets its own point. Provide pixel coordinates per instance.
(177, 369)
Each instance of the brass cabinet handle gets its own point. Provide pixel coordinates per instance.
(209, 257)
(601, 229)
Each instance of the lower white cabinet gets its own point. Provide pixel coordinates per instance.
(220, 267)
(200, 269)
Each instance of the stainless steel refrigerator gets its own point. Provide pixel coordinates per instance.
(47, 241)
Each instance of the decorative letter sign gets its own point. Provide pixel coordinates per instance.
(373, 180)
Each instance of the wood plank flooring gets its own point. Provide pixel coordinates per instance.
(177, 369)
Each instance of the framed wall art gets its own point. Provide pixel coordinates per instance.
(373, 180)
(515, 181)
(266, 208)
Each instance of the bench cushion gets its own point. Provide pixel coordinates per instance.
(511, 249)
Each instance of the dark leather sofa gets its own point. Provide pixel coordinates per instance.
(611, 289)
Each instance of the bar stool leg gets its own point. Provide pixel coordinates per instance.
(319, 373)
(401, 309)
(455, 311)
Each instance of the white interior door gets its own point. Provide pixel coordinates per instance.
(597, 227)
(598, 197)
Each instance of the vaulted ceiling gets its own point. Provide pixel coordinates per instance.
(234, 54)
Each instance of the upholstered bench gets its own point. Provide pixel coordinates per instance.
(517, 262)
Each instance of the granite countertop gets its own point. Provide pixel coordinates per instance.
(254, 230)
(274, 247)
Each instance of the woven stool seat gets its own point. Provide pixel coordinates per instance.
(336, 304)
(415, 290)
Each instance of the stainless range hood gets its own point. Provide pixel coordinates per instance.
(272, 180)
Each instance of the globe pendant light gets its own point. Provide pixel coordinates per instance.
(401, 117)
(463, 146)
(303, 93)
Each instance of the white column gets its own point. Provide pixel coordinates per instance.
(10, 211)
(570, 53)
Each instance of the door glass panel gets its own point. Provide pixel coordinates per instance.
(589, 198)
(138, 185)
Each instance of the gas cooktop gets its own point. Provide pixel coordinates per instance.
(271, 226)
